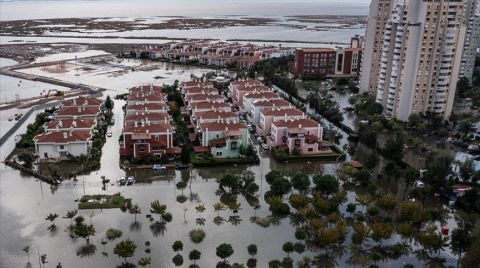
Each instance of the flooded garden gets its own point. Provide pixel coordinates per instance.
(319, 221)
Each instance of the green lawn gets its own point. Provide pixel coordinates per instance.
(101, 201)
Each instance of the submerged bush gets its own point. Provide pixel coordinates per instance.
(197, 235)
(113, 234)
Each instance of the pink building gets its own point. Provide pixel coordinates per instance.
(214, 116)
(199, 91)
(268, 116)
(258, 106)
(250, 98)
(239, 93)
(191, 84)
(303, 136)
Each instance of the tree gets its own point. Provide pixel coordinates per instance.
(219, 207)
(280, 186)
(229, 181)
(252, 250)
(431, 240)
(274, 264)
(351, 208)
(362, 176)
(177, 246)
(301, 235)
(52, 217)
(109, 103)
(145, 261)
(463, 86)
(71, 215)
(473, 255)
(181, 185)
(273, 175)
(194, 256)
(326, 184)
(464, 128)
(125, 249)
(288, 247)
(381, 231)
(157, 208)
(84, 231)
(43, 259)
(386, 202)
(27, 251)
(135, 210)
(461, 241)
(300, 182)
(224, 251)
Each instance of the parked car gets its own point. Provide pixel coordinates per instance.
(265, 146)
(260, 139)
(159, 167)
(130, 180)
(122, 181)
(109, 134)
(181, 166)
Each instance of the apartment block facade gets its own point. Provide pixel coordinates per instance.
(420, 56)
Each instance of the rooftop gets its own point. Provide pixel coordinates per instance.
(82, 101)
(297, 123)
(221, 126)
(272, 103)
(78, 111)
(63, 136)
(282, 112)
(151, 129)
(70, 123)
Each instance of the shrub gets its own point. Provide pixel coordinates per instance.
(197, 235)
(113, 234)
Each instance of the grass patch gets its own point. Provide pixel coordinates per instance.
(102, 201)
(210, 161)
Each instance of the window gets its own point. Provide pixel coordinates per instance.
(219, 153)
(310, 149)
(234, 145)
(62, 147)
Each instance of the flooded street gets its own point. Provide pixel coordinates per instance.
(25, 201)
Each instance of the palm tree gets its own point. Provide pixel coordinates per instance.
(219, 207)
(71, 214)
(125, 249)
(135, 209)
(145, 261)
(194, 256)
(85, 231)
(52, 217)
(43, 259)
(158, 208)
(27, 250)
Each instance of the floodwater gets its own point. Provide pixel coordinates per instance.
(13, 88)
(71, 55)
(17, 10)
(26, 201)
(118, 74)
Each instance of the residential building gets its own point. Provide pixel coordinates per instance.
(224, 139)
(258, 106)
(70, 124)
(147, 108)
(195, 84)
(153, 118)
(315, 62)
(83, 102)
(300, 136)
(472, 38)
(187, 92)
(79, 112)
(420, 59)
(348, 61)
(214, 116)
(379, 13)
(268, 116)
(209, 106)
(192, 99)
(144, 139)
(62, 144)
(250, 98)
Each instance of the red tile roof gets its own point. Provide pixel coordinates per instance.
(221, 126)
(204, 97)
(200, 90)
(245, 82)
(201, 149)
(146, 97)
(260, 88)
(282, 112)
(156, 116)
(152, 129)
(69, 123)
(148, 106)
(214, 115)
(63, 136)
(272, 103)
(220, 141)
(297, 123)
(196, 84)
(261, 95)
(78, 111)
(145, 88)
(208, 104)
(82, 101)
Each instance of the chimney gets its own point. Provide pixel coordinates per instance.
(71, 134)
(74, 124)
(65, 135)
(74, 102)
(79, 109)
(60, 123)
